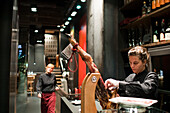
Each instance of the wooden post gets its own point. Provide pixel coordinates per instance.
(88, 93)
(57, 61)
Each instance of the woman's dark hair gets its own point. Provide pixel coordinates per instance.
(141, 52)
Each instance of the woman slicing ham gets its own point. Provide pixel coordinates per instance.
(141, 83)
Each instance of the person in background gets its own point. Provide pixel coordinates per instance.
(46, 87)
(141, 83)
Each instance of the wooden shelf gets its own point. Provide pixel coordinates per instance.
(166, 42)
(146, 20)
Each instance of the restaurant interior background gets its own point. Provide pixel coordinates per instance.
(105, 29)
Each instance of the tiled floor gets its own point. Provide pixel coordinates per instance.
(25, 103)
(29, 104)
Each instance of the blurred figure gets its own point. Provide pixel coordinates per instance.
(46, 87)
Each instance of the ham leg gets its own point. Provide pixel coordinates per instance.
(101, 92)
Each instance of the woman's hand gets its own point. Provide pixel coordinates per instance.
(111, 84)
(39, 95)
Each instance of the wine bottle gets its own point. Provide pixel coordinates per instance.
(137, 37)
(129, 38)
(162, 3)
(133, 38)
(144, 9)
(162, 30)
(149, 7)
(157, 4)
(167, 2)
(167, 31)
(140, 35)
(153, 5)
(156, 32)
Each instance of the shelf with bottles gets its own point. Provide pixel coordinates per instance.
(146, 20)
(142, 28)
(136, 4)
(155, 44)
(160, 30)
(141, 11)
(146, 42)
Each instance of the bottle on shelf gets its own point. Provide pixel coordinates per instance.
(167, 2)
(146, 37)
(133, 38)
(76, 92)
(140, 35)
(162, 3)
(129, 38)
(162, 30)
(137, 37)
(157, 4)
(153, 5)
(155, 35)
(144, 9)
(149, 7)
(167, 31)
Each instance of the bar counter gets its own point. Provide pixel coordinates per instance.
(67, 105)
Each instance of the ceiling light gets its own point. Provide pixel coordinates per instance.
(78, 7)
(73, 13)
(83, 0)
(62, 29)
(58, 26)
(64, 26)
(67, 22)
(69, 18)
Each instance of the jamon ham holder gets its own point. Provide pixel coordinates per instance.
(101, 92)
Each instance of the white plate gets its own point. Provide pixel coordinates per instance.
(132, 101)
(76, 102)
